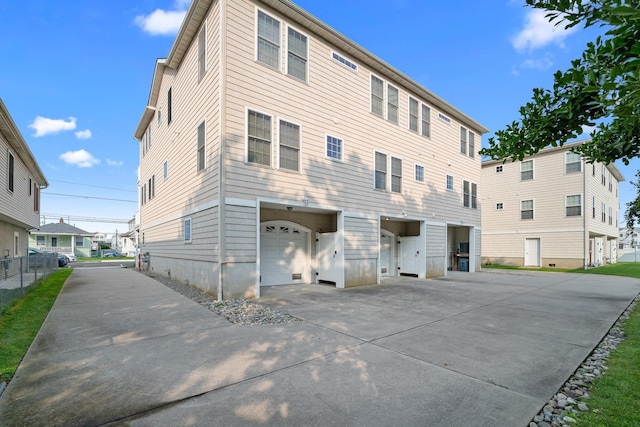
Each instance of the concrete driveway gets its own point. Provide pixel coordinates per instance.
(482, 349)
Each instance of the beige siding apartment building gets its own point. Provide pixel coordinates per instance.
(273, 150)
(552, 209)
(22, 180)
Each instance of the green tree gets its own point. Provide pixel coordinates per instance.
(601, 88)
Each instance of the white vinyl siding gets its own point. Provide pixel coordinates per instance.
(259, 138)
(289, 146)
(297, 54)
(268, 40)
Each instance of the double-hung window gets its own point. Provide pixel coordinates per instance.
(297, 57)
(201, 146)
(463, 140)
(472, 144)
(574, 205)
(526, 170)
(334, 148)
(169, 112)
(426, 121)
(380, 176)
(377, 96)
(413, 114)
(450, 182)
(289, 146)
(259, 138)
(268, 40)
(526, 209)
(573, 162)
(469, 195)
(604, 212)
(396, 175)
(392, 104)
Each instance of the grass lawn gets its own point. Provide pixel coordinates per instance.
(20, 322)
(615, 397)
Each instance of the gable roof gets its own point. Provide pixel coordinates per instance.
(10, 133)
(60, 228)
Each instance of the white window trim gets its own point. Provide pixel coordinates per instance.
(446, 182)
(384, 95)
(204, 168)
(566, 156)
(286, 48)
(533, 208)
(409, 99)
(203, 70)
(184, 234)
(386, 103)
(390, 174)
(256, 35)
(341, 159)
(387, 184)
(414, 173)
(274, 140)
(355, 70)
(581, 205)
(277, 133)
(533, 169)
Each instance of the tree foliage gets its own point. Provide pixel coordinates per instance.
(601, 88)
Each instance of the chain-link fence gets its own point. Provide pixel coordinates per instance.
(18, 275)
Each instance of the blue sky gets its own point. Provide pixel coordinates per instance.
(75, 77)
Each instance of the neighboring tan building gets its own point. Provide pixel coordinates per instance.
(552, 210)
(274, 150)
(22, 181)
(63, 238)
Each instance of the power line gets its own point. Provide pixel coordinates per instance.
(78, 218)
(94, 186)
(89, 197)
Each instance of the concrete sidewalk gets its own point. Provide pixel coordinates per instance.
(485, 349)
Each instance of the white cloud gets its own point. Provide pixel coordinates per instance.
(586, 130)
(539, 32)
(163, 22)
(80, 158)
(537, 64)
(114, 163)
(44, 126)
(84, 134)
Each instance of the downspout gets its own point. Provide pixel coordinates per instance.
(222, 75)
(585, 230)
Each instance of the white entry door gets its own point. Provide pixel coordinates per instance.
(283, 254)
(599, 249)
(532, 252)
(408, 254)
(386, 241)
(327, 257)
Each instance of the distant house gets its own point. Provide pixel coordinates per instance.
(629, 238)
(61, 237)
(97, 239)
(22, 180)
(552, 209)
(274, 150)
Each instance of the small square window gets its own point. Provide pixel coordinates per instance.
(334, 148)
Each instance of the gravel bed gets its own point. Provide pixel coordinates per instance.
(238, 311)
(574, 395)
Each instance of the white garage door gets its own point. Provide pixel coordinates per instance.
(283, 254)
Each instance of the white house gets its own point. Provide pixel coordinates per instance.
(551, 209)
(274, 150)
